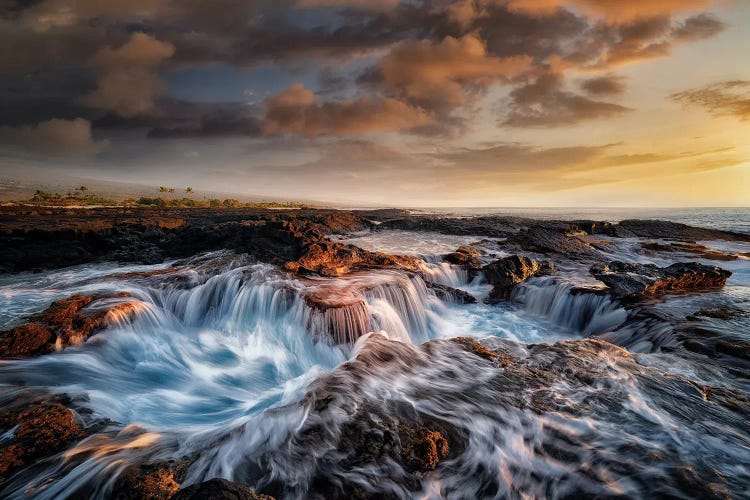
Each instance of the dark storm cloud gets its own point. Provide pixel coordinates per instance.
(730, 98)
(431, 59)
(545, 103)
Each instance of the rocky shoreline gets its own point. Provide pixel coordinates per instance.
(311, 244)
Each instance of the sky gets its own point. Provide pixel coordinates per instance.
(433, 103)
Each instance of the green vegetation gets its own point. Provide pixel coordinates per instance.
(79, 197)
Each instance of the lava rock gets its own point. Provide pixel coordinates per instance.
(64, 323)
(505, 273)
(40, 431)
(635, 280)
(450, 294)
(466, 257)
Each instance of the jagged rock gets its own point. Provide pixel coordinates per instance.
(549, 240)
(467, 257)
(505, 273)
(690, 248)
(633, 280)
(450, 294)
(64, 323)
(673, 230)
(40, 431)
(219, 489)
(148, 483)
(330, 258)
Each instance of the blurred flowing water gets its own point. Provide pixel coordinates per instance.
(223, 357)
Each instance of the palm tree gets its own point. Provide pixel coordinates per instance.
(188, 190)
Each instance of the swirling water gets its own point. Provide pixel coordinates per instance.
(219, 357)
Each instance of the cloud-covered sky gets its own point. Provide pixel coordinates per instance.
(413, 102)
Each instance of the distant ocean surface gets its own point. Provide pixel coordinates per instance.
(726, 219)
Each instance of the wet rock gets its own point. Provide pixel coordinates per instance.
(548, 240)
(736, 349)
(423, 448)
(505, 273)
(467, 257)
(340, 317)
(722, 313)
(38, 432)
(689, 248)
(219, 489)
(450, 294)
(329, 258)
(160, 481)
(673, 230)
(634, 280)
(64, 323)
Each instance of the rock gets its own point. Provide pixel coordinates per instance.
(147, 483)
(505, 273)
(64, 323)
(466, 257)
(330, 258)
(689, 248)
(673, 230)
(450, 294)
(423, 448)
(550, 240)
(219, 489)
(41, 431)
(633, 280)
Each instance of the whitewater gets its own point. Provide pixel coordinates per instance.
(226, 361)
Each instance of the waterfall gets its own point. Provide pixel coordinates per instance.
(561, 304)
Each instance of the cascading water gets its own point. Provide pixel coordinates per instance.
(255, 375)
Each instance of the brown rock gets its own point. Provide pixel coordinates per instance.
(423, 448)
(62, 324)
(41, 431)
(467, 257)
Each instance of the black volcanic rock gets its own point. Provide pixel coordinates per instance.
(673, 230)
(505, 273)
(549, 240)
(451, 294)
(633, 280)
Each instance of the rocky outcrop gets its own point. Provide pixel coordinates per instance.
(219, 489)
(38, 432)
(505, 273)
(66, 322)
(673, 230)
(636, 280)
(330, 258)
(547, 240)
(466, 257)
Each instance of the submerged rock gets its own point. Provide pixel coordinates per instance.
(64, 323)
(633, 280)
(450, 294)
(505, 273)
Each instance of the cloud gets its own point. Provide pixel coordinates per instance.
(296, 110)
(612, 10)
(544, 103)
(606, 85)
(730, 98)
(441, 73)
(129, 80)
(53, 138)
(698, 27)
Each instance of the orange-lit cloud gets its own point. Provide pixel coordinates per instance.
(296, 110)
